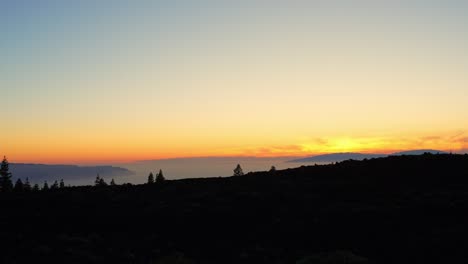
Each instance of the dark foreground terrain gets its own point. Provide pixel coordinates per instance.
(404, 209)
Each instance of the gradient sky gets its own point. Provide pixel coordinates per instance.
(100, 81)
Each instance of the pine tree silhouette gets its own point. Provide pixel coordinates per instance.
(27, 185)
(112, 183)
(150, 178)
(19, 186)
(5, 176)
(62, 184)
(238, 171)
(102, 182)
(97, 181)
(45, 187)
(35, 187)
(160, 177)
(54, 186)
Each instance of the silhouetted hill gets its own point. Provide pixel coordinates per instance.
(337, 157)
(398, 209)
(37, 173)
(419, 152)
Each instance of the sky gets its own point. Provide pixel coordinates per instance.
(110, 81)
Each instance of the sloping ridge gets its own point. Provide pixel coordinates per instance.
(337, 157)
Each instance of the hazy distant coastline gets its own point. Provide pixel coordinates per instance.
(71, 174)
(337, 157)
(179, 168)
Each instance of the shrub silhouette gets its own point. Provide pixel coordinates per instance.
(337, 257)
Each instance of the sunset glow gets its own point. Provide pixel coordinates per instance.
(92, 82)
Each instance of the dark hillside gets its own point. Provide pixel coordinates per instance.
(399, 209)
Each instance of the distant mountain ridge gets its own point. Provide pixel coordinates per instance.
(70, 173)
(337, 157)
(418, 152)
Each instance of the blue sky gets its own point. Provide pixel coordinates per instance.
(177, 78)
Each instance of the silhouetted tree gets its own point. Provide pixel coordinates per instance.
(27, 185)
(150, 178)
(97, 181)
(19, 186)
(100, 181)
(5, 176)
(45, 187)
(35, 187)
(160, 177)
(272, 171)
(62, 184)
(54, 186)
(238, 171)
(112, 183)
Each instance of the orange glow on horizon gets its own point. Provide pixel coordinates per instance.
(110, 154)
(260, 78)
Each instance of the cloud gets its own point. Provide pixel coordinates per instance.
(458, 135)
(431, 138)
(276, 150)
(377, 145)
